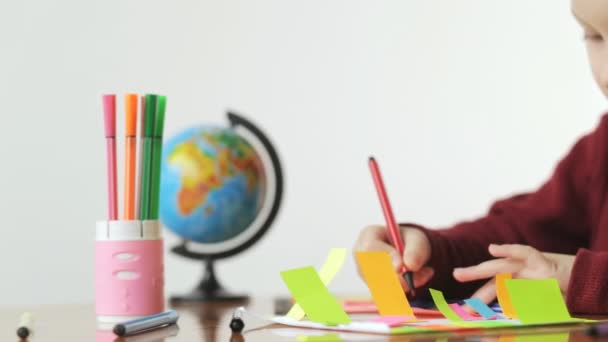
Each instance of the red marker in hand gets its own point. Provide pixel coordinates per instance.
(391, 225)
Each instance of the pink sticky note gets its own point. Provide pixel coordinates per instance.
(367, 306)
(394, 321)
(463, 313)
(355, 306)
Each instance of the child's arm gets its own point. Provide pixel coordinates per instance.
(557, 218)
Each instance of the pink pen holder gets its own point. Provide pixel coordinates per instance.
(129, 277)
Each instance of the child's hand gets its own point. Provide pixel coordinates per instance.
(522, 262)
(417, 251)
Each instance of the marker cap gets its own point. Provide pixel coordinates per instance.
(150, 118)
(109, 113)
(142, 119)
(131, 101)
(159, 125)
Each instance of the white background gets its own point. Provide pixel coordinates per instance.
(462, 102)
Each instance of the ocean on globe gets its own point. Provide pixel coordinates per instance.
(212, 185)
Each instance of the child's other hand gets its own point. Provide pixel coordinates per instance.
(417, 251)
(522, 262)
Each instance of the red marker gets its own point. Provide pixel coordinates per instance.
(391, 225)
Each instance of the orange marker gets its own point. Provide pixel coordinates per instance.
(130, 154)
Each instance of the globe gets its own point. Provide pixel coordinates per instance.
(213, 184)
(221, 189)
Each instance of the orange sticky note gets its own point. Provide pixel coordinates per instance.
(382, 281)
(503, 295)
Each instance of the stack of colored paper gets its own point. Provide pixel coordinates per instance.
(525, 302)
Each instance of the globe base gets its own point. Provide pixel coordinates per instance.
(201, 296)
(208, 290)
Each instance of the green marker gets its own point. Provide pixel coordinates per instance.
(146, 170)
(157, 155)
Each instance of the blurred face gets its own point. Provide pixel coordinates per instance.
(593, 17)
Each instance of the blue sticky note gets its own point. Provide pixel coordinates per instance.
(481, 308)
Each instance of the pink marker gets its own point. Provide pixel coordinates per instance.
(109, 113)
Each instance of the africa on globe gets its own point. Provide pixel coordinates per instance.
(213, 184)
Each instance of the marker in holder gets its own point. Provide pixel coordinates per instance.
(129, 276)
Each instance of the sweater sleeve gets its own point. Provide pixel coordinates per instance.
(588, 287)
(556, 218)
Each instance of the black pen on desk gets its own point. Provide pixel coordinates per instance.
(599, 329)
(146, 323)
(152, 336)
(25, 325)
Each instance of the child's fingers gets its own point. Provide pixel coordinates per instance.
(380, 246)
(372, 233)
(423, 276)
(373, 238)
(519, 252)
(487, 269)
(417, 250)
(420, 278)
(487, 293)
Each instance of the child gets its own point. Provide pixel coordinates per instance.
(559, 231)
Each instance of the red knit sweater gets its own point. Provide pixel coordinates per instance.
(568, 214)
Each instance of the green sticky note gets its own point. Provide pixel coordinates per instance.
(538, 301)
(333, 264)
(553, 337)
(313, 296)
(411, 330)
(443, 306)
(321, 338)
(486, 324)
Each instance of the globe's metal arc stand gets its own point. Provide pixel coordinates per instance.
(209, 289)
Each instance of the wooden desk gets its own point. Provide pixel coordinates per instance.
(209, 323)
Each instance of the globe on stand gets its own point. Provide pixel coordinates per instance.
(221, 189)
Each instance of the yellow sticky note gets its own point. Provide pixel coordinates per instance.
(503, 295)
(333, 264)
(381, 278)
(320, 338)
